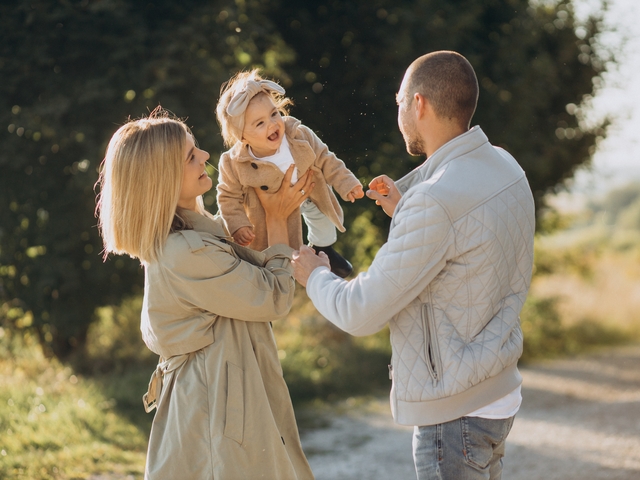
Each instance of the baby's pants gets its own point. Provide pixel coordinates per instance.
(321, 230)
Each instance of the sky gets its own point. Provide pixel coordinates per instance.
(617, 158)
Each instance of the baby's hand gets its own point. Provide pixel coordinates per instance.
(357, 192)
(244, 236)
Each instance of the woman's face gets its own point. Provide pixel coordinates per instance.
(195, 180)
(263, 126)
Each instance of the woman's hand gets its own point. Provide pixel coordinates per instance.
(278, 206)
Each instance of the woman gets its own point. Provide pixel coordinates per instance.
(223, 408)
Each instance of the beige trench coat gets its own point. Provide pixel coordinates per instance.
(223, 408)
(240, 173)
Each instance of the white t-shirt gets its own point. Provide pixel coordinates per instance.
(504, 407)
(281, 159)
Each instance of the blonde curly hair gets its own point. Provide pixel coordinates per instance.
(238, 83)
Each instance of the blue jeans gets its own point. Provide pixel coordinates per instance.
(469, 448)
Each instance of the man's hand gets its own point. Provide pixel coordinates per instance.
(244, 236)
(383, 190)
(306, 261)
(356, 193)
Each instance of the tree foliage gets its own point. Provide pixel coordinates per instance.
(535, 66)
(72, 71)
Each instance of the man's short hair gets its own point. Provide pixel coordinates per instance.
(447, 80)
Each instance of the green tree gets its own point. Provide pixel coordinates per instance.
(534, 63)
(71, 72)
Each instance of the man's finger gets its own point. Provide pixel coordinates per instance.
(375, 195)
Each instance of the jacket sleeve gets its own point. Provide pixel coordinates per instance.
(215, 280)
(420, 241)
(333, 169)
(230, 196)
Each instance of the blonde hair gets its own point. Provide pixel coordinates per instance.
(236, 84)
(140, 182)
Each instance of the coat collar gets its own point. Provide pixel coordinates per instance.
(206, 223)
(454, 148)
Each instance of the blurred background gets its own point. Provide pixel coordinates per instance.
(558, 89)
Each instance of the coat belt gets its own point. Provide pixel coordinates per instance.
(150, 399)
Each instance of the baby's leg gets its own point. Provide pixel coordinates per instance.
(321, 235)
(321, 230)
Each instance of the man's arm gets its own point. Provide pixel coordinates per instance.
(420, 241)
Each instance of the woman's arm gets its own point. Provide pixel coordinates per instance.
(212, 278)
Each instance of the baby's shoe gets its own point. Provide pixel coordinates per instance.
(339, 265)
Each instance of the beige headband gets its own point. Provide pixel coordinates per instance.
(238, 104)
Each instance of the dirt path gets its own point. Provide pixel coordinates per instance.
(580, 420)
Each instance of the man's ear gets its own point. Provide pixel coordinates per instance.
(421, 105)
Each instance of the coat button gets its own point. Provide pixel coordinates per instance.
(254, 165)
(264, 187)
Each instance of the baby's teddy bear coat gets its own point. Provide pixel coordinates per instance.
(240, 173)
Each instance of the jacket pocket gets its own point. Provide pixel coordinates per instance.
(431, 351)
(234, 415)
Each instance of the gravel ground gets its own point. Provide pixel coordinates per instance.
(579, 420)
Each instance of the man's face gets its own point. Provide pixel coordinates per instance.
(407, 121)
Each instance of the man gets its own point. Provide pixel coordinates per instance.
(450, 281)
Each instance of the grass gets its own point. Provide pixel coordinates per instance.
(55, 424)
(585, 292)
(321, 361)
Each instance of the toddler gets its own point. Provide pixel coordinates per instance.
(262, 145)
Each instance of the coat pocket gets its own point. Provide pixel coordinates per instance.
(234, 415)
(431, 351)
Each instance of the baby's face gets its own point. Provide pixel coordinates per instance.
(263, 126)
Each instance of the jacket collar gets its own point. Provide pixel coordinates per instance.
(454, 148)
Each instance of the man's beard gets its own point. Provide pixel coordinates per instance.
(415, 145)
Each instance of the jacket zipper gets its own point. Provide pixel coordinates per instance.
(431, 351)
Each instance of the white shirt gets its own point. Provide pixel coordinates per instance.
(504, 407)
(281, 159)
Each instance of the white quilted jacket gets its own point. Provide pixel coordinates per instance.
(450, 282)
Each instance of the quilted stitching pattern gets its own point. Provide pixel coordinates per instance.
(493, 244)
